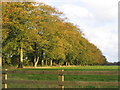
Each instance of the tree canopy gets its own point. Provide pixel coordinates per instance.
(37, 33)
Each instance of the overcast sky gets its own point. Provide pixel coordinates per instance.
(98, 20)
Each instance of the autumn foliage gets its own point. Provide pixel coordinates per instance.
(38, 34)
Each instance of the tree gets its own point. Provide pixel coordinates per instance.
(40, 32)
(17, 30)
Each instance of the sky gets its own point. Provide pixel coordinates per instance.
(97, 19)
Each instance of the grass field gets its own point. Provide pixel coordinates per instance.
(91, 78)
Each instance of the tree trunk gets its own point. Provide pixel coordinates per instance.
(36, 62)
(46, 62)
(42, 62)
(21, 58)
(51, 62)
(66, 63)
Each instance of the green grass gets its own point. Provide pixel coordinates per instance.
(88, 67)
(107, 78)
(76, 67)
(91, 78)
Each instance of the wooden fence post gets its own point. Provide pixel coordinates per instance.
(4, 85)
(61, 79)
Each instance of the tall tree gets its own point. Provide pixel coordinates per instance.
(17, 29)
(40, 32)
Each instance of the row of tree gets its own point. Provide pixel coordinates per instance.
(37, 33)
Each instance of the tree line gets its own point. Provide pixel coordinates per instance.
(38, 34)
